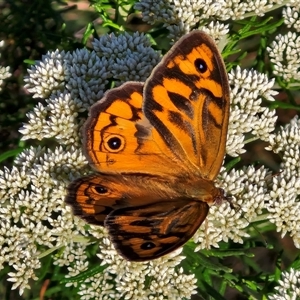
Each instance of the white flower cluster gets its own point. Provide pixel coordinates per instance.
(284, 204)
(180, 16)
(285, 56)
(71, 82)
(291, 16)
(247, 115)
(4, 71)
(248, 190)
(55, 120)
(32, 212)
(218, 32)
(289, 286)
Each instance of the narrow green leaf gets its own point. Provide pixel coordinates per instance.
(86, 274)
(10, 153)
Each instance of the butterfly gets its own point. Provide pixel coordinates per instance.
(157, 148)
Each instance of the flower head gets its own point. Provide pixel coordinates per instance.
(284, 205)
(4, 71)
(285, 56)
(291, 16)
(247, 115)
(130, 57)
(289, 286)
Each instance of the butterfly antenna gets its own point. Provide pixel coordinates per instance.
(206, 233)
(237, 208)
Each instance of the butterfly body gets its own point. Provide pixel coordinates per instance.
(157, 147)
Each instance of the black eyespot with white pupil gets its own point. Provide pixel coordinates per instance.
(201, 65)
(100, 189)
(148, 246)
(114, 143)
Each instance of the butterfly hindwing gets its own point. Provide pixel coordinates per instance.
(95, 196)
(150, 231)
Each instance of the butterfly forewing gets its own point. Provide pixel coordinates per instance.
(110, 129)
(117, 137)
(187, 101)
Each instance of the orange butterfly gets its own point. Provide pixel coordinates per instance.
(157, 147)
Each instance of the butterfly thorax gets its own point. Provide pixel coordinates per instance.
(199, 189)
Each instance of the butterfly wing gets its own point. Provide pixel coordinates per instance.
(186, 107)
(117, 137)
(95, 196)
(150, 231)
(187, 102)
(110, 129)
(145, 221)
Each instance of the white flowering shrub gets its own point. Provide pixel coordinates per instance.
(4, 71)
(40, 238)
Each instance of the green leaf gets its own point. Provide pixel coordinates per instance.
(85, 275)
(283, 105)
(10, 153)
(90, 29)
(225, 253)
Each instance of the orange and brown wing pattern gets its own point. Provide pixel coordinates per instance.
(118, 138)
(187, 101)
(150, 231)
(94, 197)
(111, 127)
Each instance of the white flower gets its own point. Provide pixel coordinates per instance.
(180, 16)
(284, 54)
(292, 16)
(216, 30)
(32, 212)
(284, 206)
(55, 120)
(289, 286)
(4, 71)
(248, 190)
(248, 89)
(46, 75)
